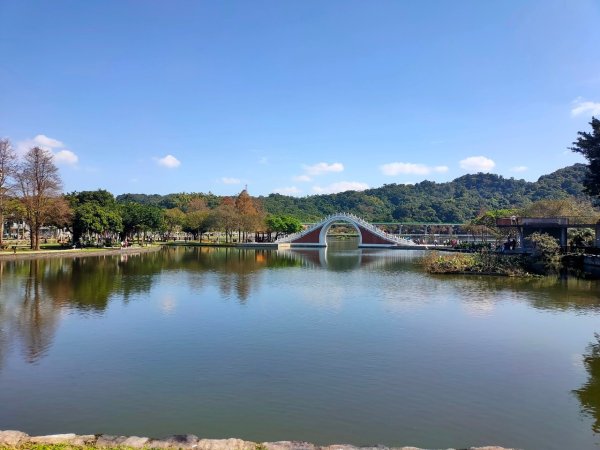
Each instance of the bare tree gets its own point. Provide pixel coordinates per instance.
(41, 187)
(8, 171)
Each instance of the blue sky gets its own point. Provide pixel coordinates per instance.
(297, 97)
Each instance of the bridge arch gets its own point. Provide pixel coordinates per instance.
(368, 234)
(330, 221)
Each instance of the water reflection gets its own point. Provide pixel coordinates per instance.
(361, 336)
(589, 393)
(33, 293)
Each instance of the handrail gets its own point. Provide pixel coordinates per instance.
(353, 218)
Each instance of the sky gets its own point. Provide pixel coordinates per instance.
(296, 97)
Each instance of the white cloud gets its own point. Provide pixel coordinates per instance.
(341, 186)
(230, 180)
(169, 161)
(54, 146)
(581, 106)
(290, 190)
(42, 140)
(302, 178)
(322, 168)
(66, 157)
(396, 168)
(518, 169)
(477, 164)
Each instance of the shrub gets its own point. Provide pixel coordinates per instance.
(546, 252)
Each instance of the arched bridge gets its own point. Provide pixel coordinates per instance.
(368, 234)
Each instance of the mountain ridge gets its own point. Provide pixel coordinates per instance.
(453, 201)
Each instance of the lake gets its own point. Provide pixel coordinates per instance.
(328, 346)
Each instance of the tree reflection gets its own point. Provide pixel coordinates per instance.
(36, 319)
(589, 393)
(238, 270)
(33, 292)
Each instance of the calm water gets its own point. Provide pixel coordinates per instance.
(328, 346)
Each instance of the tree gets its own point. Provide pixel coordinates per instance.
(566, 207)
(588, 144)
(95, 213)
(546, 252)
(249, 214)
(227, 217)
(282, 224)
(196, 222)
(92, 218)
(139, 218)
(40, 186)
(174, 219)
(8, 170)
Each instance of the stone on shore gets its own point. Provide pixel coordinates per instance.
(68, 438)
(225, 444)
(183, 441)
(289, 445)
(13, 438)
(18, 439)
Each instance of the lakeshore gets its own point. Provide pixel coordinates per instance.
(75, 253)
(16, 440)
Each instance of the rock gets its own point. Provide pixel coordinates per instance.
(340, 447)
(183, 441)
(491, 447)
(68, 438)
(13, 438)
(106, 440)
(289, 445)
(225, 444)
(135, 442)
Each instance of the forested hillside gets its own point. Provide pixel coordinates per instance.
(456, 201)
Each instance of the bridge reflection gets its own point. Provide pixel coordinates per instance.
(352, 259)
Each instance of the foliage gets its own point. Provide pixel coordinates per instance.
(94, 213)
(139, 218)
(565, 207)
(282, 224)
(482, 262)
(582, 237)
(174, 219)
(473, 246)
(546, 252)
(456, 201)
(588, 144)
(196, 222)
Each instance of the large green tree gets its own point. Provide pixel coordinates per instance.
(282, 224)
(95, 213)
(588, 144)
(139, 219)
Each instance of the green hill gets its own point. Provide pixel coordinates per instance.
(455, 201)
